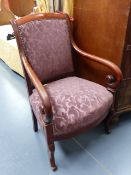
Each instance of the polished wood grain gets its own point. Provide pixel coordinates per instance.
(40, 16)
(114, 68)
(100, 29)
(103, 28)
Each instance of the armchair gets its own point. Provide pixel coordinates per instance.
(63, 104)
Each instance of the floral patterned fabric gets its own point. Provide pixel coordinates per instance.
(76, 103)
(47, 45)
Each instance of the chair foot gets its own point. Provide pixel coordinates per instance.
(54, 168)
(108, 129)
(51, 156)
(35, 129)
(48, 129)
(108, 122)
(35, 124)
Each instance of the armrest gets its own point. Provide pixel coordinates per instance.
(41, 90)
(115, 78)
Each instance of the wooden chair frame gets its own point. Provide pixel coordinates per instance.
(112, 83)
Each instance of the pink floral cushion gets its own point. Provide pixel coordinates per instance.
(76, 103)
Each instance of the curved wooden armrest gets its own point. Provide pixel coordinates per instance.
(41, 90)
(115, 78)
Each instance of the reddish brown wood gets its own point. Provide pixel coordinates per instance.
(41, 90)
(39, 16)
(48, 129)
(100, 27)
(116, 72)
(113, 80)
(46, 121)
(30, 88)
(103, 28)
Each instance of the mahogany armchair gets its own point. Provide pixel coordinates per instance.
(63, 104)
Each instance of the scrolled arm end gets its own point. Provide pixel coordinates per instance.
(114, 79)
(112, 83)
(48, 117)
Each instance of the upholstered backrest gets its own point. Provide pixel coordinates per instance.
(47, 45)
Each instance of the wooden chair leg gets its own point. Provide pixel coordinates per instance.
(107, 122)
(51, 149)
(35, 124)
(51, 146)
(108, 129)
(115, 119)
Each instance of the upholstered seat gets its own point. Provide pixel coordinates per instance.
(76, 103)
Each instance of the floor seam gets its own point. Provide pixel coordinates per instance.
(93, 157)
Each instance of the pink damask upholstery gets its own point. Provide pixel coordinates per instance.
(47, 45)
(76, 103)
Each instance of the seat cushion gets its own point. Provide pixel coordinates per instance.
(76, 103)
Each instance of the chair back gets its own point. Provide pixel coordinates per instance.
(45, 40)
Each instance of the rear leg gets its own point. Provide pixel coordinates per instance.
(35, 124)
(108, 122)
